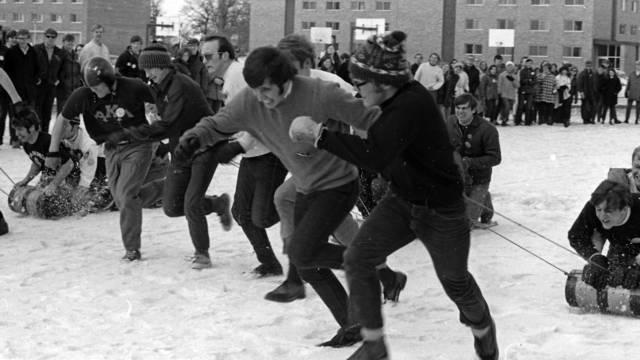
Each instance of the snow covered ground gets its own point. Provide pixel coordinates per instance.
(65, 294)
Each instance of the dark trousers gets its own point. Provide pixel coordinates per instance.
(184, 189)
(588, 110)
(629, 106)
(5, 103)
(491, 109)
(525, 106)
(317, 215)
(613, 115)
(44, 104)
(253, 207)
(395, 223)
(545, 110)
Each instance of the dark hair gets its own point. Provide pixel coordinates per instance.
(69, 37)
(224, 45)
(616, 195)
(635, 153)
(492, 66)
(466, 99)
(25, 119)
(436, 54)
(268, 62)
(497, 57)
(23, 32)
(96, 27)
(12, 34)
(298, 48)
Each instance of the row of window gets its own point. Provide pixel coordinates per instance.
(534, 24)
(532, 2)
(534, 50)
(633, 29)
(355, 5)
(40, 1)
(633, 7)
(54, 18)
(334, 25)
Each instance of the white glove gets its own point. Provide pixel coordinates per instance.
(303, 129)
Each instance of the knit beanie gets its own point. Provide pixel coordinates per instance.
(154, 56)
(382, 59)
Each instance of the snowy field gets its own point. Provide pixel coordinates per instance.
(65, 294)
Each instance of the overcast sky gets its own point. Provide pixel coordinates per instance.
(172, 7)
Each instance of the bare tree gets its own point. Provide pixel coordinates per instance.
(155, 10)
(219, 16)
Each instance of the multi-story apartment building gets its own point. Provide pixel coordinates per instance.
(552, 30)
(121, 19)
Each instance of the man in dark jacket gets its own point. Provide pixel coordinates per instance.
(21, 64)
(526, 93)
(473, 73)
(180, 106)
(612, 214)
(478, 147)
(127, 63)
(196, 66)
(588, 93)
(50, 59)
(425, 197)
(70, 75)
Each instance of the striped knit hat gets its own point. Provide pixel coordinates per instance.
(154, 56)
(382, 59)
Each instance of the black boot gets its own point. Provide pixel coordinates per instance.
(371, 350)
(393, 282)
(4, 228)
(346, 336)
(286, 292)
(487, 345)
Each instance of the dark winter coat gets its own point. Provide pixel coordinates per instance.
(474, 78)
(479, 147)
(446, 93)
(127, 65)
(199, 72)
(609, 89)
(70, 75)
(621, 248)
(23, 70)
(633, 87)
(49, 69)
(528, 81)
(488, 89)
(587, 83)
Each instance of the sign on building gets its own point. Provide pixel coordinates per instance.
(501, 37)
(367, 27)
(170, 26)
(321, 35)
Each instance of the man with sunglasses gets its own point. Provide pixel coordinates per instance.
(50, 59)
(327, 187)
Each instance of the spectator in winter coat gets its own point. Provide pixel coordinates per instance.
(431, 75)
(127, 63)
(417, 62)
(181, 62)
(633, 92)
(562, 111)
(473, 73)
(196, 66)
(588, 93)
(447, 92)
(21, 63)
(331, 54)
(546, 96)
(612, 214)
(50, 60)
(488, 93)
(526, 94)
(508, 83)
(70, 75)
(477, 144)
(609, 88)
(601, 79)
(343, 69)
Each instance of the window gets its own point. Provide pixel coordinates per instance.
(36, 1)
(76, 2)
(309, 5)
(333, 5)
(475, 2)
(306, 25)
(56, 1)
(472, 24)
(634, 6)
(538, 25)
(357, 5)
(624, 5)
(622, 28)
(18, 17)
(36, 17)
(475, 49)
(55, 18)
(538, 50)
(572, 25)
(539, 2)
(505, 51)
(333, 25)
(506, 24)
(506, 2)
(571, 51)
(574, 2)
(18, 1)
(74, 18)
(633, 29)
(383, 5)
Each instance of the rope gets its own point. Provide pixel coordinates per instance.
(7, 175)
(4, 192)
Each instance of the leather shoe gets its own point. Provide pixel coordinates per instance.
(286, 292)
(345, 337)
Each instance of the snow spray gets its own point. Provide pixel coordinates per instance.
(608, 300)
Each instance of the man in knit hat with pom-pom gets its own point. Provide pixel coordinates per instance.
(181, 104)
(409, 143)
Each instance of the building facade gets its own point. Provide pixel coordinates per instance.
(120, 18)
(553, 30)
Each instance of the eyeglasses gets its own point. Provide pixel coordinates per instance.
(357, 85)
(50, 36)
(210, 56)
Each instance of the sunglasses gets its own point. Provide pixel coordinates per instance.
(357, 85)
(50, 36)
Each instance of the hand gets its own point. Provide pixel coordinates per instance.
(303, 129)
(632, 278)
(596, 273)
(227, 150)
(187, 146)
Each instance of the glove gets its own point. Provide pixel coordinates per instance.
(632, 278)
(596, 273)
(303, 129)
(510, 78)
(616, 276)
(189, 143)
(225, 151)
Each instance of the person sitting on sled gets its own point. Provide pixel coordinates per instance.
(612, 214)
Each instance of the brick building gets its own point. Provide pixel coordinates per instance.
(121, 19)
(552, 30)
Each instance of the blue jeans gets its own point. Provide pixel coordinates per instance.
(127, 166)
(184, 189)
(395, 223)
(253, 207)
(317, 215)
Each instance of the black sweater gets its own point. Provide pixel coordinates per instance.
(409, 144)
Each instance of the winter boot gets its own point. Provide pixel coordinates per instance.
(269, 269)
(346, 336)
(131, 255)
(201, 260)
(392, 291)
(371, 350)
(286, 292)
(486, 344)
